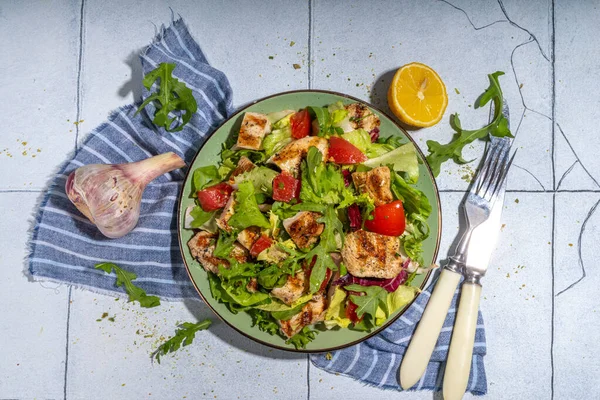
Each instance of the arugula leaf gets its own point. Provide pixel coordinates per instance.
(172, 96)
(200, 217)
(272, 276)
(246, 209)
(439, 153)
(124, 279)
(302, 338)
(204, 177)
(374, 297)
(183, 337)
(330, 241)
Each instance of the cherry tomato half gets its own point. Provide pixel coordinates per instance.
(344, 152)
(260, 245)
(351, 311)
(388, 219)
(214, 197)
(300, 124)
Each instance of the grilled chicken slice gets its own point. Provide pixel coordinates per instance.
(248, 236)
(243, 165)
(254, 128)
(289, 158)
(361, 117)
(252, 285)
(312, 312)
(371, 255)
(226, 214)
(202, 246)
(376, 183)
(303, 228)
(293, 289)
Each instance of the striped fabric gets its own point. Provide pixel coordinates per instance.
(376, 361)
(65, 246)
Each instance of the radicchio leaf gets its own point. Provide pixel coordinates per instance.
(354, 217)
(390, 284)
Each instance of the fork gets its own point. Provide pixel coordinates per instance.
(480, 200)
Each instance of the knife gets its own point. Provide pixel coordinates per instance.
(424, 339)
(480, 247)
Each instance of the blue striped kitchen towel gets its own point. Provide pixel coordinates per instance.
(65, 246)
(376, 361)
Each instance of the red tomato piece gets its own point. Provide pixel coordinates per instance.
(344, 152)
(286, 187)
(351, 311)
(214, 197)
(388, 219)
(260, 245)
(300, 124)
(326, 280)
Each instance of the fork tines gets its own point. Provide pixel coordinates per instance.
(493, 171)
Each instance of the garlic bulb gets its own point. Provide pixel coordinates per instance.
(110, 195)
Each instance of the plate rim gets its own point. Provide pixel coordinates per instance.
(235, 115)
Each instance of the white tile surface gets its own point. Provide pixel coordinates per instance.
(576, 71)
(236, 38)
(577, 312)
(114, 357)
(516, 306)
(360, 58)
(39, 87)
(34, 316)
(463, 40)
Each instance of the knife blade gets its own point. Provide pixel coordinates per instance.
(485, 236)
(479, 250)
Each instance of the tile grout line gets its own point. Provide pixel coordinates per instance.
(78, 114)
(552, 261)
(67, 342)
(79, 67)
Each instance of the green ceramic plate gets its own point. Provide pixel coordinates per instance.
(209, 155)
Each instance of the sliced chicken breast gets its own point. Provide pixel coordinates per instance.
(371, 255)
(289, 158)
(248, 236)
(361, 117)
(303, 228)
(226, 214)
(376, 183)
(243, 165)
(293, 289)
(312, 312)
(202, 246)
(254, 128)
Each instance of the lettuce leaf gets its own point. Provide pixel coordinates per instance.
(302, 338)
(246, 209)
(200, 218)
(404, 159)
(261, 178)
(276, 140)
(204, 177)
(395, 301)
(336, 312)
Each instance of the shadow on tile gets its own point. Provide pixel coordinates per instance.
(228, 335)
(378, 97)
(134, 85)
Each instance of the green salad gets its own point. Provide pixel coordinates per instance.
(311, 221)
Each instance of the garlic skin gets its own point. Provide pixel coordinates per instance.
(110, 195)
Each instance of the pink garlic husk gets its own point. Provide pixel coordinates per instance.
(110, 195)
